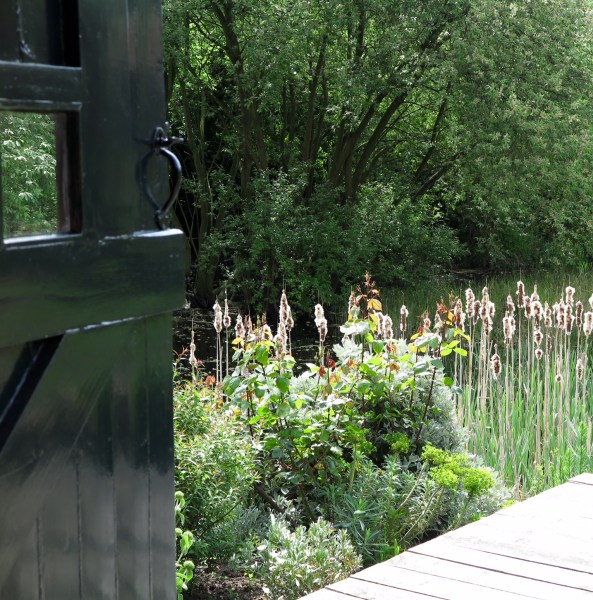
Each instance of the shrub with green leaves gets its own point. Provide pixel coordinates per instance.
(215, 470)
(293, 563)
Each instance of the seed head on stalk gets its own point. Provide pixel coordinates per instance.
(535, 295)
(558, 378)
(403, 314)
(487, 324)
(579, 314)
(387, 328)
(284, 308)
(193, 361)
(226, 319)
(537, 310)
(470, 298)
(248, 326)
(281, 339)
(520, 294)
(266, 332)
(477, 310)
(320, 322)
(568, 319)
(547, 316)
(491, 309)
(239, 327)
(289, 320)
(426, 324)
(495, 364)
(217, 317)
(351, 303)
(508, 324)
(527, 304)
(380, 324)
(580, 369)
(588, 324)
(570, 296)
(538, 337)
(591, 301)
(539, 353)
(510, 306)
(459, 315)
(559, 314)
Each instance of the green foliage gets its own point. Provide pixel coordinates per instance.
(28, 173)
(215, 470)
(185, 539)
(295, 563)
(301, 474)
(380, 134)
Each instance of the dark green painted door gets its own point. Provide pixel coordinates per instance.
(86, 456)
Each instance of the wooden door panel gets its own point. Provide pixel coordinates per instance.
(36, 452)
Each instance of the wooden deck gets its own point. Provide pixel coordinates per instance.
(540, 548)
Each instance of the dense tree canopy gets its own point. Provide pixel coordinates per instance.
(326, 137)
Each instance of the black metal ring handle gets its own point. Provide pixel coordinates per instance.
(160, 145)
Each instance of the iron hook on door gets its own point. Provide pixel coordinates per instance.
(160, 144)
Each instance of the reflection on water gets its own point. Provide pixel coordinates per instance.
(303, 337)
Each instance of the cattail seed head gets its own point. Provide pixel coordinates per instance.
(477, 310)
(239, 327)
(495, 364)
(266, 332)
(527, 305)
(426, 323)
(508, 324)
(226, 319)
(558, 378)
(487, 324)
(491, 309)
(248, 326)
(283, 313)
(193, 361)
(380, 324)
(403, 313)
(568, 319)
(351, 302)
(469, 302)
(570, 295)
(579, 314)
(281, 339)
(538, 337)
(591, 301)
(485, 296)
(289, 320)
(217, 317)
(535, 295)
(580, 369)
(387, 328)
(520, 294)
(547, 316)
(510, 306)
(319, 314)
(588, 324)
(539, 353)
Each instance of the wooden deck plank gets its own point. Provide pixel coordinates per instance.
(495, 580)
(369, 590)
(395, 578)
(586, 478)
(327, 594)
(448, 550)
(540, 549)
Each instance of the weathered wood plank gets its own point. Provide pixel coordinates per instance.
(442, 567)
(541, 548)
(586, 478)
(369, 590)
(501, 536)
(449, 550)
(393, 577)
(327, 594)
(39, 87)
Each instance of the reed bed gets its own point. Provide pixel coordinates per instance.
(526, 380)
